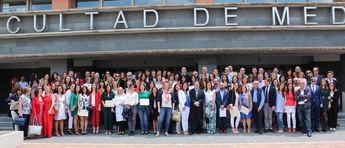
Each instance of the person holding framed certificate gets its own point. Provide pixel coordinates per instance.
(143, 109)
(246, 108)
(107, 95)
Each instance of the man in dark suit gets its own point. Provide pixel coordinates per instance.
(303, 99)
(270, 103)
(222, 101)
(197, 98)
(317, 76)
(258, 104)
(315, 105)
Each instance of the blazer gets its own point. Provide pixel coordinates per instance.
(220, 101)
(200, 98)
(315, 96)
(272, 97)
(306, 96)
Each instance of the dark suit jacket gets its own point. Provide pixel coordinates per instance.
(306, 96)
(272, 97)
(232, 97)
(200, 98)
(319, 78)
(315, 96)
(220, 101)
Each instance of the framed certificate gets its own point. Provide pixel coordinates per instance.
(109, 103)
(244, 110)
(144, 102)
(222, 112)
(129, 101)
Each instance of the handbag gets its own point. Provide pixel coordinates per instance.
(35, 129)
(20, 121)
(83, 113)
(176, 116)
(14, 106)
(126, 112)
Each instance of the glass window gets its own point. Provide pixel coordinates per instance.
(228, 1)
(41, 5)
(13, 5)
(179, 1)
(87, 3)
(148, 2)
(260, 1)
(292, 1)
(117, 3)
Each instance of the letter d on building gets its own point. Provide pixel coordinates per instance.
(196, 18)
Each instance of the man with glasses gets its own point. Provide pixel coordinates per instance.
(315, 105)
(303, 99)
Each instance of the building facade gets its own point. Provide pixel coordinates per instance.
(57, 35)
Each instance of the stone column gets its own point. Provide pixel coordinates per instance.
(341, 79)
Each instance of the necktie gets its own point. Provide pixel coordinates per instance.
(267, 92)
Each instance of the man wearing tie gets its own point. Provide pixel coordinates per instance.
(222, 100)
(316, 75)
(258, 103)
(197, 98)
(270, 102)
(315, 105)
(303, 96)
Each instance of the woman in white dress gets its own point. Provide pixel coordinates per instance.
(119, 104)
(60, 106)
(83, 112)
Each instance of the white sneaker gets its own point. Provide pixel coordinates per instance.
(157, 135)
(166, 133)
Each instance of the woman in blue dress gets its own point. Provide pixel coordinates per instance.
(246, 101)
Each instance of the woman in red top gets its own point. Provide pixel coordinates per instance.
(290, 107)
(48, 112)
(37, 108)
(95, 102)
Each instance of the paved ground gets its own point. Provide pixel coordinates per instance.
(319, 140)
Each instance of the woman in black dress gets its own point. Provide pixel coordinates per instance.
(154, 108)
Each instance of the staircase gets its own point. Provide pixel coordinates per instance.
(5, 123)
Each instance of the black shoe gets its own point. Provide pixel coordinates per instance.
(271, 130)
(260, 132)
(265, 131)
(309, 134)
(317, 130)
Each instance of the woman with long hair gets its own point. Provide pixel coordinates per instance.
(154, 108)
(210, 108)
(48, 112)
(83, 103)
(334, 108)
(280, 106)
(73, 106)
(107, 114)
(37, 108)
(235, 107)
(95, 104)
(325, 104)
(60, 106)
(290, 107)
(246, 101)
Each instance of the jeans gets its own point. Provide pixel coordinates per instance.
(132, 119)
(143, 112)
(304, 118)
(26, 125)
(164, 115)
(280, 120)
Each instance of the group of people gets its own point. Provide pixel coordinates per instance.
(188, 102)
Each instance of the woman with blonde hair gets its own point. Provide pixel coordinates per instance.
(247, 102)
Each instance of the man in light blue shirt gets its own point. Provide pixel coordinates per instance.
(258, 103)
